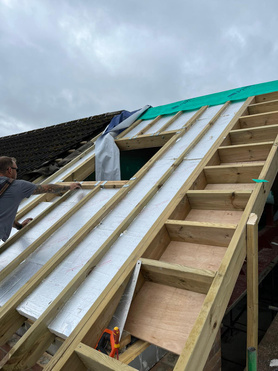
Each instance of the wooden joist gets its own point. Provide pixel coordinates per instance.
(147, 127)
(94, 360)
(133, 351)
(268, 106)
(254, 135)
(244, 152)
(175, 275)
(144, 141)
(266, 97)
(242, 173)
(201, 233)
(257, 120)
(218, 200)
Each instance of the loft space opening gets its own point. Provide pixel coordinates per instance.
(131, 162)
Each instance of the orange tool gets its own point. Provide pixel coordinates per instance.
(111, 338)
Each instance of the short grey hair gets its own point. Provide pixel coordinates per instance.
(5, 163)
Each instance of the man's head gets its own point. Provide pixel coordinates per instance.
(8, 167)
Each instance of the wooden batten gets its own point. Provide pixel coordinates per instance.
(149, 126)
(102, 184)
(127, 130)
(268, 106)
(169, 122)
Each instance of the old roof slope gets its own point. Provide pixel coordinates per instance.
(34, 148)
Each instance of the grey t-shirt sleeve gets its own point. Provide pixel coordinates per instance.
(27, 188)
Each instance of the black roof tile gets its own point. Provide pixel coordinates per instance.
(35, 148)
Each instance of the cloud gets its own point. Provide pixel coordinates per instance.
(65, 60)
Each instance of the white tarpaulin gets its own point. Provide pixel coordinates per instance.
(107, 154)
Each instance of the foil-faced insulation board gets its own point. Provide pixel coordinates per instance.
(34, 305)
(15, 280)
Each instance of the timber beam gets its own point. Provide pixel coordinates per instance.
(218, 200)
(241, 173)
(175, 275)
(200, 232)
(253, 135)
(263, 107)
(95, 360)
(244, 152)
(144, 141)
(259, 119)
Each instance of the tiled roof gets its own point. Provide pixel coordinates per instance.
(34, 148)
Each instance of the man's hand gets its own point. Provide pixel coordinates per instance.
(26, 221)
(75, 186)
(19, 226)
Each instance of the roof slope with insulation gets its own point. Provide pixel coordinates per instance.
(187, 218)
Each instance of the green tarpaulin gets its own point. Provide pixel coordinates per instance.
(211, 99)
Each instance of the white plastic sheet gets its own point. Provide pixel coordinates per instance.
(107, 158)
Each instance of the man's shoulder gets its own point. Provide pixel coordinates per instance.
(25, 183)
(3, 179)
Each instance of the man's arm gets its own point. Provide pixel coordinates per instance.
(55, 188)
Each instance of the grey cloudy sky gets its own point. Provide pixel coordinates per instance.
(68, 59)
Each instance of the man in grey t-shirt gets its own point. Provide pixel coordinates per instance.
(16, 192)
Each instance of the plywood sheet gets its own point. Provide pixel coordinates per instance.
(194, 255)
(214, 216)
(164, 315)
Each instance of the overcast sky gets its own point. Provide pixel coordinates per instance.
(68, 59)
